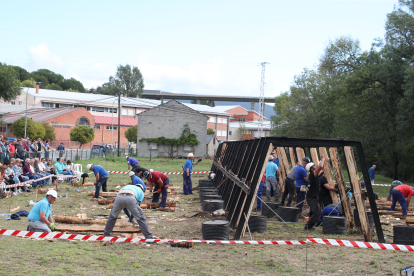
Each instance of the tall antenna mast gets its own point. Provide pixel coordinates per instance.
(261, 99)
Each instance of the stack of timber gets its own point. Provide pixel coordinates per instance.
(384, 211)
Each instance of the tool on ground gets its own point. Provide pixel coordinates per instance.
(84, 175)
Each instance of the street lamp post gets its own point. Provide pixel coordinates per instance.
(119, 121)
(112, 121)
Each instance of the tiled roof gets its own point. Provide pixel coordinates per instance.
(103, 120)
(39, 114)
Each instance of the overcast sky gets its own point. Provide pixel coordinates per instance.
(199, 47)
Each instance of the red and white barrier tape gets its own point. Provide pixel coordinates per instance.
(120, 172)
(386, 185)
(346, 243)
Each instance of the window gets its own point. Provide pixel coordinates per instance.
(110, 127)
(241, 119)
(20, 102)
(230, 133)
(83, 121)
(13, 103)
(124, 111)
(65, 106)
(98, 109)
(219, 120)
(110, 110)
(153, 146)
(130, 112)
(219, 133)
(96, 127)
(224, 133)
(224, 120)
(50, 105)
(212, 119)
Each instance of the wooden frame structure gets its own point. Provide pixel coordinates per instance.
(239, 167)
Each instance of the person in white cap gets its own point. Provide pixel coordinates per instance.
(188, 169)
(40, 217)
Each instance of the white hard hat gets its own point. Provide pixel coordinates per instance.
(309, 166)
(190, 154)
(88, 167)
(271, 158)
(131, 173)
(52, 193)
(127, 157)
(151, 170)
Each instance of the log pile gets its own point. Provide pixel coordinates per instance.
(384, 211)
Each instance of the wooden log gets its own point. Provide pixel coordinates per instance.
(282, 173)
(409, 220)
(14, 209)
(182, 244)
(336, 163)
(95, 228)
(103, 194)
(285, 160)
(44, 190)
(356, 187)
(314, 155)
(105, 201)
(293, 160)
(328, 173)
(75, 220)
(301, 154)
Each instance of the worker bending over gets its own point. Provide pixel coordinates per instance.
(400, 193)
(101, 178)
(129, 197)
(135, 181)
(158, 183)
(132, 162)
(40, 217)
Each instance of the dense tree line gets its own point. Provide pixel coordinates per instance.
(362, 95)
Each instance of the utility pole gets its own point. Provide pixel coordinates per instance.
(119, 122)
(261, 100)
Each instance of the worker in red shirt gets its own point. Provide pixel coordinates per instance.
(158, 183)
(400, 193)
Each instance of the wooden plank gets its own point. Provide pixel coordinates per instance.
(293, 160)
(301, 154)
(314, 155)
(328, 173)
(269, 151)
(94, 228)
(103, 194)
(336, 163)
(285, 160)
(44, 190)
(282, 172)
(75, 220)
(356, 187)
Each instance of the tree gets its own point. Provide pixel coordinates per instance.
(72, 85)
(9, 84)
(127, 79)
(53, 86)
(242, 130)
(18, 128)
(21, 73)
(51, 77)
(210, 131)
(28, 83)
(82, 134)
(40, 131)
(131, 134)
(50, 132)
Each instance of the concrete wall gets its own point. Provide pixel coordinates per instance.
(168, 120)
(212, 147)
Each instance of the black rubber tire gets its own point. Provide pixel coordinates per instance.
(267, 211)
(205, 183)
(403, 234)
(206, 190)
(211, 205)
(334, 225)
(358, 222)
(288, 214)
(215, 230)
(203, 196)
(257, 224)
(212, 197)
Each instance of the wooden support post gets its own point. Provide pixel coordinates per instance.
(314, 155)
(336, 163)
(56, 181)
(282, 172)
(269, 151)
(36, 193)
(328, 173)
(11, 195)
(293, 160)
(285, 160)
(301, 154)
(356, 187)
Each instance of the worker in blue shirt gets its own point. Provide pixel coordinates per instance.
(132, 162)
(301, 178)
(101, 178)
(188, 169)
(271, 179)
(40, 217)
(371, 173)
(135, 181)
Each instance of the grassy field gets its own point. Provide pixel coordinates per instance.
(38, 257)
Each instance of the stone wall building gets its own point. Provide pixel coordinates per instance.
(169, 120)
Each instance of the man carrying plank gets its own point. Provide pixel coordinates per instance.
(129, 197)
(400, 193)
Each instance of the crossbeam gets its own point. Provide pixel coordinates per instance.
(233, 178)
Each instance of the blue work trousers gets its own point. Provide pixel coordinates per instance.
(164, 192)
(328, 211)
(301, 197)
(397, 195)
(259, 195)
(187, 184)
(101, 182)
